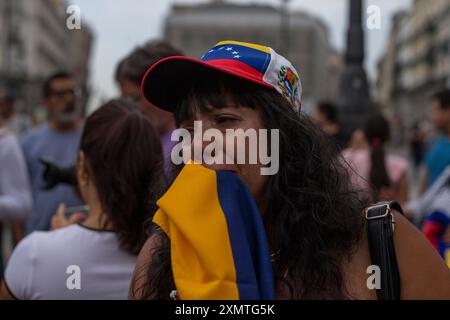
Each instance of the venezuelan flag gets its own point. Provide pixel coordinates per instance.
(218, 243)
(247, 57)
(433, 228)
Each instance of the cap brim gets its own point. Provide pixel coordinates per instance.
(170, 79)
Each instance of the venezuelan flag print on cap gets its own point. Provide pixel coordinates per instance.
(261, 63)
(218, 242)
(165, 81)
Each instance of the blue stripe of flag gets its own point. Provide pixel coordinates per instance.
(256, 59)
(247, 238)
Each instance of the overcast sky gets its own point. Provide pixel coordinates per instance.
(121, 25)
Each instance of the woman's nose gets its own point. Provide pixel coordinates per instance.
(199, 143)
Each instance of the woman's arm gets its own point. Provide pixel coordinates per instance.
(423, 273)
(5, 294)
(19, 273)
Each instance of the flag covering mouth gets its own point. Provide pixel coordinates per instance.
(219, 248)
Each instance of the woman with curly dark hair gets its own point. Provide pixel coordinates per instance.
(314, 221)
(119, 172)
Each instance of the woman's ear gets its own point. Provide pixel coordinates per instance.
(82, 172)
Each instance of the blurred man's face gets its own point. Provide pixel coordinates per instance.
(61, 103)
(440, 117)
(130, 89)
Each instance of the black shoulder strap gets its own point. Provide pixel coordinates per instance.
(380, 228)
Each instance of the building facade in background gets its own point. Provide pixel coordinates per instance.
(416, 62)
(302, 38)
(36, 42)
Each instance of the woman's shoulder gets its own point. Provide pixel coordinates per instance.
(36, 240)
(57, 235)
(39, 241)
(419, 264)
(19, 272)
(60, 241)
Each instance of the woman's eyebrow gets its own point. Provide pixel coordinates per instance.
(225, 108)
(187, 121)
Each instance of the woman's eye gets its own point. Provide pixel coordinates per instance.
(225, 119)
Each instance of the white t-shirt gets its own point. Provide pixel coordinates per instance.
(70, 263)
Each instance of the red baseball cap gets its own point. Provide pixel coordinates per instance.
(168, 80)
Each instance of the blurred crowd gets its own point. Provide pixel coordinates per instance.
(416, 174)
(62, 185)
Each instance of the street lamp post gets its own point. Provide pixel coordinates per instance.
(354, 99)
(448, 79)
(284, 28)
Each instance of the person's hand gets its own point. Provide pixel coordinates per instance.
(59, 220)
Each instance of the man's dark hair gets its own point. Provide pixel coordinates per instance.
(118, 73)
(47, 87)
(443, 97)
(134, 66)
(329, 110)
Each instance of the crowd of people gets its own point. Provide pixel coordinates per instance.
(380, 172)
(84, 192)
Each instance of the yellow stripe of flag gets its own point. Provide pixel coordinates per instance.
(196, 225)
(245, 44)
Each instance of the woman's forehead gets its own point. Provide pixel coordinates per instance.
(211, 97)
(196, 108)
(209, 110)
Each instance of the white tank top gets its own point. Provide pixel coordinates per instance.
(70, 263)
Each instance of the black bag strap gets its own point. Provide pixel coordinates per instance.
(380, 228)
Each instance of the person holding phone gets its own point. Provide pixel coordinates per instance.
(119, 179)
(57, 141)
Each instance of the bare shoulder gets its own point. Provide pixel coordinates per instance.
(423, 273)
(140, 279)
